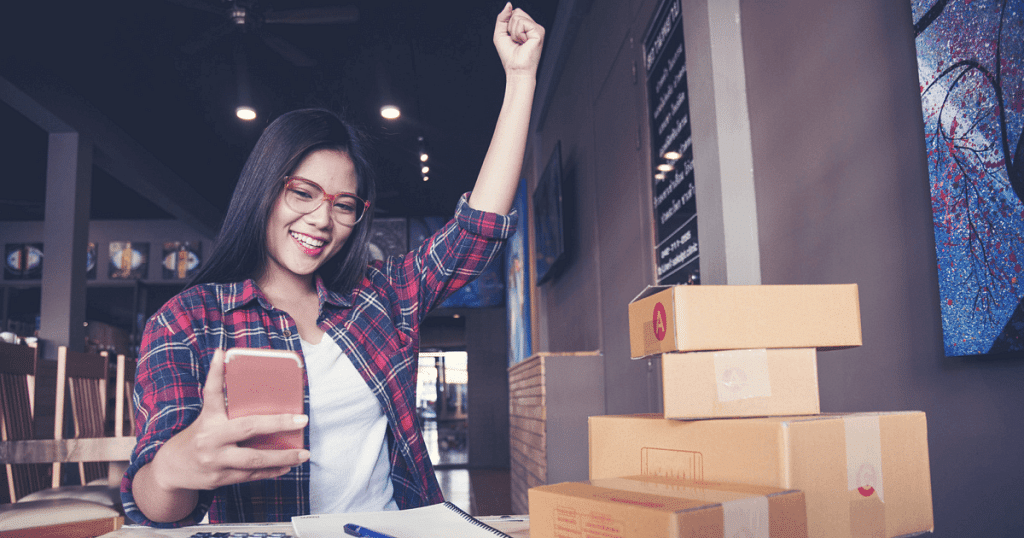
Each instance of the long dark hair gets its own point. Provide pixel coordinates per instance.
(240, 251)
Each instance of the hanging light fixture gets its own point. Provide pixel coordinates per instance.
(244, 111)
(423, 158)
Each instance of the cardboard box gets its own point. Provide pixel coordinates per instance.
(740, 383)
(654, 507)
(663, 319)
(863, 475)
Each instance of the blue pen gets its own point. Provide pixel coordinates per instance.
(356, 530)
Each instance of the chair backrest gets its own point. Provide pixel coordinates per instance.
(124, 414)
(18, 365)
(82, 380)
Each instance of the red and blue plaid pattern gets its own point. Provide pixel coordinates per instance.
(376, 325)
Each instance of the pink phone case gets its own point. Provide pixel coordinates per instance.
(264, 382)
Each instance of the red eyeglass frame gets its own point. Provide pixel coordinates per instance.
(329, 197)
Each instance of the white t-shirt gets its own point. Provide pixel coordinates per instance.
(349, 466)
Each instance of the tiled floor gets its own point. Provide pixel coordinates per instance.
(444, 447)
(455, 485)
(481, 492)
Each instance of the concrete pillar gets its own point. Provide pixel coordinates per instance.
(65, 239)
(722, 154)
(739, 201)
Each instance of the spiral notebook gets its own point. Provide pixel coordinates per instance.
(443, 520)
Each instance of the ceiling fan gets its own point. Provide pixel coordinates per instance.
(251, 16)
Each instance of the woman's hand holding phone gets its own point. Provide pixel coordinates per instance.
(206, 455)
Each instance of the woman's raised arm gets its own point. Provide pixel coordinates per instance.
(518, 40)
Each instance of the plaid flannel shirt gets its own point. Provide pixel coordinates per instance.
(376, 325)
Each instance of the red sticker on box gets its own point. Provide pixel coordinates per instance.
(867, 475)
(660, 322)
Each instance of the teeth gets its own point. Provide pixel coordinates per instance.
(307, 241)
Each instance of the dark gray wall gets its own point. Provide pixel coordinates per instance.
(842, 196)
(596, 112)
(487, 354)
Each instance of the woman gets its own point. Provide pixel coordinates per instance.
(289, 271)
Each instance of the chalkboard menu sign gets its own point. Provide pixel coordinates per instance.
(675, 208)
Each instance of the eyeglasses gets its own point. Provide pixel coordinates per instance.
(304, 196)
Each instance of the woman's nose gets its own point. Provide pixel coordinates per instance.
(321, 216)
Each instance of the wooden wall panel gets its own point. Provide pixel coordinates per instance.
(566, 386)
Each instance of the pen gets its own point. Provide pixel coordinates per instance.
(356, 530)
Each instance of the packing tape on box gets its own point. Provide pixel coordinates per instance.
(864, 455)
(741, 374)
(864, 475)
(746, 517)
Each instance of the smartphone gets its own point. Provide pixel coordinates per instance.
(264, 382)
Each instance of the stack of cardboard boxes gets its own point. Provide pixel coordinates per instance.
(741, 411)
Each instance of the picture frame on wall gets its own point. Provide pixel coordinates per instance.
(388, 237)
(549, 216)
(90, 261)
(181, 259)
(128, 260)
(517, 275)
(486, 290)
(969, 56)
(23, 261)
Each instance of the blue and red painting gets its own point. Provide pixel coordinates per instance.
(970, 57)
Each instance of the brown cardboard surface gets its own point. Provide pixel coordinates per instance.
(740, 383)
(805, 453)
(648, 506)
(707, 318)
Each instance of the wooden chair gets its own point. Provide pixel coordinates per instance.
(124, 413)
(18, 365)
(82, 383)
(81, 393)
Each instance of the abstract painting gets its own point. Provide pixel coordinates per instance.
(517, 267)
(971, 69)
(487, 290)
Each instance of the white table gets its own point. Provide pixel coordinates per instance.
(515, 526)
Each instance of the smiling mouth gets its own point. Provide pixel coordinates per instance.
(308, 242)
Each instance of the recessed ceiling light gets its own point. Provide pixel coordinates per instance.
(245, 113)
(672, 155)
(390, 112)
(423, 157)
(665, 167)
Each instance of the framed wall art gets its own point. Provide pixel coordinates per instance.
(388, 237)
(970, 59)
(129, 260)
(23, 261)
(549, 224)
(90, 261)
(181, 259)
(487, 290)
(517, 290)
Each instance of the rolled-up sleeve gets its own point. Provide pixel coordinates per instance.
(452, 256)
